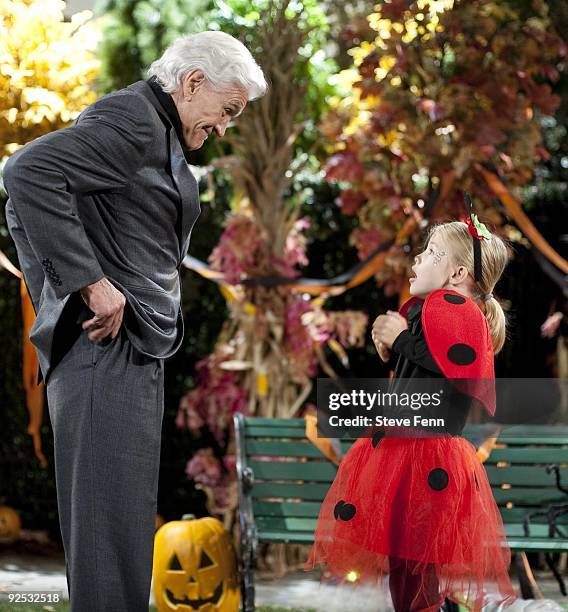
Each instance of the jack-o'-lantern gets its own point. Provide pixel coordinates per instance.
(10, 524)
(195, 567)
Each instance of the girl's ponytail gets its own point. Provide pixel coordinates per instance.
(497, 322)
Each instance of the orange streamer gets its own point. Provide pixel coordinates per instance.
(34, 392)
(522, 220)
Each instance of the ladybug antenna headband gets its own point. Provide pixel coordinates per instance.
(478, 232)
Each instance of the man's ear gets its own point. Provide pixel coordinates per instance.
(192, 82)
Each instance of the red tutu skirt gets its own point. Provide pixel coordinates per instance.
(421, 510)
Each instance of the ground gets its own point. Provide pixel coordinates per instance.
(32, 570)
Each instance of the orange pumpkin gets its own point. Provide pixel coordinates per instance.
(10, 524)
(195, 567)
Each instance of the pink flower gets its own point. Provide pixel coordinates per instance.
(297, 339)
(204, 467)
(238, 250)
(216, 397)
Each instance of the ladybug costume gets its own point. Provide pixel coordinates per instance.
(420, 508)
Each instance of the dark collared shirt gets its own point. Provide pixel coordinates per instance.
(169, 106)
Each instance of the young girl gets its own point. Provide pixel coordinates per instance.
(420, 508)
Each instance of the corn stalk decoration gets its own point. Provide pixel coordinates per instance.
(272, 344)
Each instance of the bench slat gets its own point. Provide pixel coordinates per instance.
(282, 448)
(515, 530)
(322, 471)
(518, 513)
(528, 455)
(315, 492)
(538, 544)
(528, 476)
(271, 422)
(289, 537)
(260, 431)
(527, 497)
(311, 510)
(288, 523)
(515, 544)
(552, 440)
(282, 508)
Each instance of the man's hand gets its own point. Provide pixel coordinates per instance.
(386, 329)
(107, 302)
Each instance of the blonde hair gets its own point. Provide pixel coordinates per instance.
(495, 254)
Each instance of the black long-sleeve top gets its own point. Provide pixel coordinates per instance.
(411, 358)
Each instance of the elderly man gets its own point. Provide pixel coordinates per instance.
(101, 214)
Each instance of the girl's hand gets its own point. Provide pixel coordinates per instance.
(384, 352)
(386, 328)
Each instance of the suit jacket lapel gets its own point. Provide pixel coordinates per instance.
(186, 184)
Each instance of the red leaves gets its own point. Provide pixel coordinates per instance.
(343, 166)
(394, 9)
(544, 99)
(487, 131)
(368, 66)
(542, 153)
(540, 95)
(350, 201)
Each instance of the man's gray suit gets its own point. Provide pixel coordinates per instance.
(110, 196)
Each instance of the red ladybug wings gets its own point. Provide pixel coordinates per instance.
(458, 336)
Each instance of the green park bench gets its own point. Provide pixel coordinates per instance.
(279, 501)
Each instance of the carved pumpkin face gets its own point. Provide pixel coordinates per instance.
(10, 524)
(195, 567)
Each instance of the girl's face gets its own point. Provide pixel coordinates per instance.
(431, 269)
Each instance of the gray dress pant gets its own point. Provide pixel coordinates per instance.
(106, 404)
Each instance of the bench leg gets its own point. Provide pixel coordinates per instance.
(248, 565)
(554, 569)
(247, 589)
(526, 579)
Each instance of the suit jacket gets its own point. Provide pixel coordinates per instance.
(102, 198)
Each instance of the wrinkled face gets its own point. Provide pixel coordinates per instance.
(203, 109)
(431, 270)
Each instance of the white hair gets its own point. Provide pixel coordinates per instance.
(224, 61)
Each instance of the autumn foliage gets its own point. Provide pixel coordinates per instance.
(438, 88)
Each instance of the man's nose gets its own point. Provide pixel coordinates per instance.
(221, 127)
